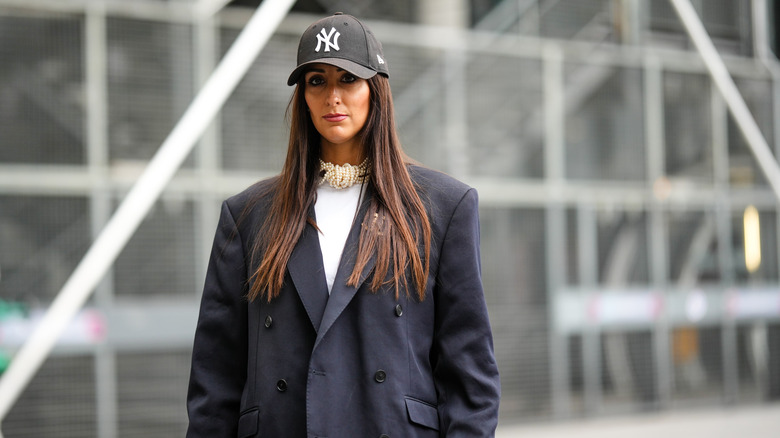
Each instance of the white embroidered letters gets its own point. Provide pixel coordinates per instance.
(379, 59)
(323, 37)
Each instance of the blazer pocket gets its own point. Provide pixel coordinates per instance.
(422, 413)
(248, 423)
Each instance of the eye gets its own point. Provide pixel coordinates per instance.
(348, 78)
(315, 80)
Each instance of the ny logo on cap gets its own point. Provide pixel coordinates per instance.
(323, 37)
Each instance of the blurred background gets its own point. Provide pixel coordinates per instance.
(629, 237)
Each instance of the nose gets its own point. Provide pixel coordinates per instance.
(334, 96)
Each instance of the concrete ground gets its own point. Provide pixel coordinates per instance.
(747, 422)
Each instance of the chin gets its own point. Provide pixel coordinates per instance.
(337, 140)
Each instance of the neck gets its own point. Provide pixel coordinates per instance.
(342, 153)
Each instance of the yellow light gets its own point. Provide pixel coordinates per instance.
(752, 239)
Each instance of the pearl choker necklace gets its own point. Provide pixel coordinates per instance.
(343, 176)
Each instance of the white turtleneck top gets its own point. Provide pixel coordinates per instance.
(335, 213)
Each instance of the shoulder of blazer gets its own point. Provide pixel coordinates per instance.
(249, 207)
(437, 188)
(259, 192)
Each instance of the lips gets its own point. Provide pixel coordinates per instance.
(334, 117)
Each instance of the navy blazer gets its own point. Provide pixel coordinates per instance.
(357, 363)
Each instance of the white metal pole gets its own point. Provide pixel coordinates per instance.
(731, 95)
(104, 251)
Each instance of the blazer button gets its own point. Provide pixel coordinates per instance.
(399, 310)
(268, 321)
(281, 385)
(380, 376)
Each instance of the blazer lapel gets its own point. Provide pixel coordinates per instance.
(308, 274)
(341, 294)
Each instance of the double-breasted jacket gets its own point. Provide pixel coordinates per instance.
(354, 363)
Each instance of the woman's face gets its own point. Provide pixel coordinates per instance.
(338, 103)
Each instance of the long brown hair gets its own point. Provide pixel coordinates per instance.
(395, 227)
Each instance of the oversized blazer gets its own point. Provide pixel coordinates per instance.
(354, 364)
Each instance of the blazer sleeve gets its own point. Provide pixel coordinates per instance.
(465, 369)
(219, 355)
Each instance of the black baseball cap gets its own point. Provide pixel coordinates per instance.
(343, 41)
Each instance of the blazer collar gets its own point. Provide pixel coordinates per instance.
(308, 274)
(341, 294)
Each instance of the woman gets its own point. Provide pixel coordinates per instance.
(343, 298)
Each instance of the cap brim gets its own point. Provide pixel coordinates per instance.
(352, 67)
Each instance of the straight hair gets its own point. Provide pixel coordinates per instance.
(395, 229)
